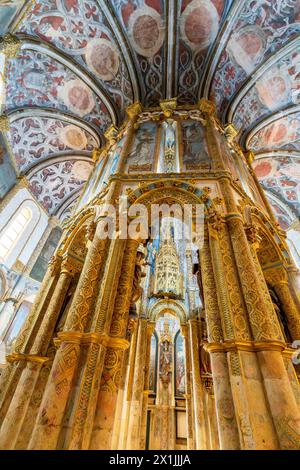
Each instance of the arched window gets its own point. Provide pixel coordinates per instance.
(13, 231)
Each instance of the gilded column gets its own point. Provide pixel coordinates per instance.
(265, 328)
(10, 376)
(106, 404)
(278, 279)
(132, 112)
(226, 420)
(16, 413)
(96, 341)
(56, 396)
(134, 425)
(123, 405)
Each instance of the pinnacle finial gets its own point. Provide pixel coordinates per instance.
(207, 106)
(134, 109)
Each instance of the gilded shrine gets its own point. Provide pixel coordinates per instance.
(149, 225)
(158, 341)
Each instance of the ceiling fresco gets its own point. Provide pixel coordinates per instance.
(82, 62)
(35, 139)
(56, 182)
(281, 176)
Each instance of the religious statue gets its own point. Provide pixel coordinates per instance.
(165, 361)
(137, 290)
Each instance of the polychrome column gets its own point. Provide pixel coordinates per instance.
(279, 281)
(113, 364)
(10, 376)
(16, 413)
(227, 426)
(56, 396)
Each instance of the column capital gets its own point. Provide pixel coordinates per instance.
(70, 265)
(168, 106)
(252, 235)
(184, 330)
(10, 45)
(134, 110)
(250, 157)
(54, 264)
(250, 346)
(276, 277)
(111, 135)
(230, 132)
(207, 107)
(150, 328)
(16, 357)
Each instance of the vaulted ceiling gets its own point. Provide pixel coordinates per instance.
(82, 62)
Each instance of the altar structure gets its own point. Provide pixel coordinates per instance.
(161, 341)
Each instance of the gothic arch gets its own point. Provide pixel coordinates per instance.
(171, 191)
(167, 306)
(270, 240)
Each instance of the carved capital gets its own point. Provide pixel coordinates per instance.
(250, 157)
(10, 45)
(111, 135)
(97, 153)
(168, 106)
(207, 107)
(54, 265)
(70, 265)
(184, 330)
(134, 110)
(252, 234)
(215, 221)
(230, 132)
(276, 277)
(150, 328)
(90, 231)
